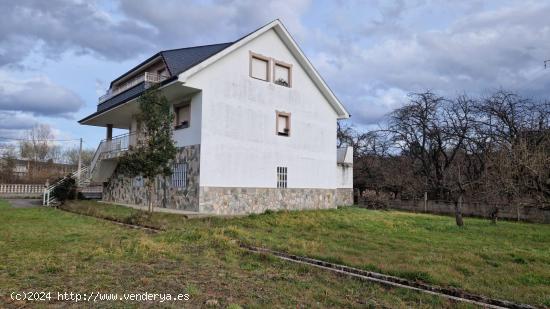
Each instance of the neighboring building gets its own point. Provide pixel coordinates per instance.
(30, 171)
(254, 122)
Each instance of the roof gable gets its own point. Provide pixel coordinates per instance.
(287, 39)
(185, 62)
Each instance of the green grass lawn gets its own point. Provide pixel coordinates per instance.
(508, 260)
(46, 249)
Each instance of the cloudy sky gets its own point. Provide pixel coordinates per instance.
(58, 56)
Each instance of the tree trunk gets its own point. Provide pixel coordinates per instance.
(494, 215)
(151, 191)
(458, 211)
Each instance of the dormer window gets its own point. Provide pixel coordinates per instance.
(182, 116)
(282, 73)
(283, 124)
(259, 66)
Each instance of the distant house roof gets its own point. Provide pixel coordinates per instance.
(180, 59)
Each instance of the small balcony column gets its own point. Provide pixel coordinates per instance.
(109, 132)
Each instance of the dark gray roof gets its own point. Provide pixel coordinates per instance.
(181, 59)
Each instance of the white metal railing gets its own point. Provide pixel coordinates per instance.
(48, 198)
(96, 156)
(21, 188)
(146, 77)
(116, 144)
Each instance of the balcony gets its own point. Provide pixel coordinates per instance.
(129, 89)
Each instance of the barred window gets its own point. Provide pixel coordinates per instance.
(179, 175)
(137, 182)
(281, 176)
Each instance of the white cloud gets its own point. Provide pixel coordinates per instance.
(37, 96)
(56, 26)
(475, 53)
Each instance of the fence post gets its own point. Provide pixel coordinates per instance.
(425, 201)
(44, 193)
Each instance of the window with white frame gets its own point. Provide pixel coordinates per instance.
(259, 66)
(282, 73)
(281, 176)
(179, 175)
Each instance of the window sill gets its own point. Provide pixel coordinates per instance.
(263, 80)
(176, 128)
(283, 134)
(282, 85)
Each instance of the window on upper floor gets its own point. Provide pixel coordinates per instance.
(282, 123)
(182, 117)
(259, 66)
(282, 73)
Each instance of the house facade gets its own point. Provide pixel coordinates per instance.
(254, 123)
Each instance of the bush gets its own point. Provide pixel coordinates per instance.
(65, 190)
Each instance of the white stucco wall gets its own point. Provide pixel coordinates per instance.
(344, 168)
(344, 176)
(192, 134)
(239, 147)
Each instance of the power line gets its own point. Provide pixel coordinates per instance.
(39, 140)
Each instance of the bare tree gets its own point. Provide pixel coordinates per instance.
(518, 130)
(70, 156)
(436, 133)
(38, 145)
(7, 163)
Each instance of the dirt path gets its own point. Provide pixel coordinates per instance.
(24, 203)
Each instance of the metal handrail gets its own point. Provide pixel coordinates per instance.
(118, 143)
(146, 77)
(48, 198)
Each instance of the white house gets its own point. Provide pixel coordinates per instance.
(255, 127)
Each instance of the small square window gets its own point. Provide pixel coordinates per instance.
(282, 74)
(282, 176)
(179, 175)
(283, 124)
(182, 116)
(259, 67)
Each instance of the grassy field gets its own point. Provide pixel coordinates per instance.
(45, 249)
(508, 260)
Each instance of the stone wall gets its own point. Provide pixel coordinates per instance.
(526, 213)
(121, 188)
(344, 196)
(234, 201)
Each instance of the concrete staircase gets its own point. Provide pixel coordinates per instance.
(85, 186)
